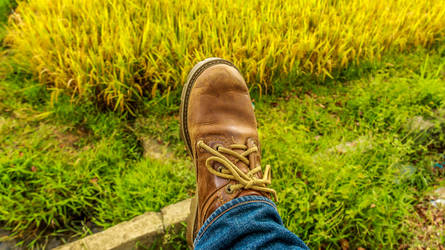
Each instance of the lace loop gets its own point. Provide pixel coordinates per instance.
(232, 172)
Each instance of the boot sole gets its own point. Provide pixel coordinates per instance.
(186, 90)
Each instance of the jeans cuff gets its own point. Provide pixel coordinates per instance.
(228, 206)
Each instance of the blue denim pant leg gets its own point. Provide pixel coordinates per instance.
(249, 222)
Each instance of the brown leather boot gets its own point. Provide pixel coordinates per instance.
(219, 128)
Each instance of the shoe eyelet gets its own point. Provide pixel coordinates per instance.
(229, 189)
(217, 147)
(219, 169)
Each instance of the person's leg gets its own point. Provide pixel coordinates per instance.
(248, 222)
(232, 207)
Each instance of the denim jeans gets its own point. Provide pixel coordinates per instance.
(249, 222)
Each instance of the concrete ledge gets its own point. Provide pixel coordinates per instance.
(141, 230)
(175, 214)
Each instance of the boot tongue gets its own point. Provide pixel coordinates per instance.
(252, 157)
(240, 164)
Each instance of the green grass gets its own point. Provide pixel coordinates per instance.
(349, 149)
(63, 167)
(5, 9)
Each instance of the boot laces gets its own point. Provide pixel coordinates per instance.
(230, 171)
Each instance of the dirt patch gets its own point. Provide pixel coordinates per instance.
(154, 149)
(66, 139)
(429, 226)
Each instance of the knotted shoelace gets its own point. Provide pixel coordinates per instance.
(232, 172)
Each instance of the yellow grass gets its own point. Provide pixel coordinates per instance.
(116, 51)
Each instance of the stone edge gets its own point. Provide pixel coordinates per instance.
(144, 229)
